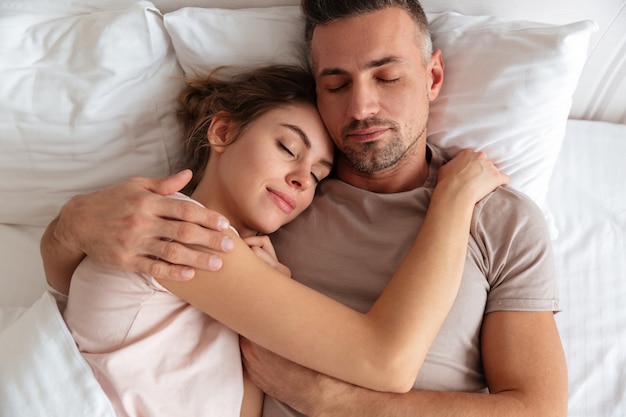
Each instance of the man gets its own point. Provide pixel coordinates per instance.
(376, 76)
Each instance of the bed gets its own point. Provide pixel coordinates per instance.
(87, 94)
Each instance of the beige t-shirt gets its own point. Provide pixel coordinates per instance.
(350, 241)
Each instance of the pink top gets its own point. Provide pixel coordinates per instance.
(153, 353)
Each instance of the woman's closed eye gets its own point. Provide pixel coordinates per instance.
(286, 149)
(321, 172)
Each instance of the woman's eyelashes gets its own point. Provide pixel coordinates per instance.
(293, 154)
(286, 148)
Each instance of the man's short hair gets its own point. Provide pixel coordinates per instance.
(321, 12)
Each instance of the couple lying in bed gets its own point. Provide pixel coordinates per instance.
(258, 150)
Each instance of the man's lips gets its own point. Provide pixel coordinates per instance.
(364, 135)
(284, 201)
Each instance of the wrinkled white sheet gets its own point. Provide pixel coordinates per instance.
(41, 371)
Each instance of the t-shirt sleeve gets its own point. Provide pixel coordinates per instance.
(513, 237)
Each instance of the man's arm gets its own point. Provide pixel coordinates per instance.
(59, 261)
(133, 227)
(523, 361)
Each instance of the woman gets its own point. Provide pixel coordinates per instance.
(258, 149)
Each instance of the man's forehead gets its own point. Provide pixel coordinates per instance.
(385, 61)
(362, 52)
(368, 35)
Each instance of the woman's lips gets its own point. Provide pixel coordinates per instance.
(284, 201)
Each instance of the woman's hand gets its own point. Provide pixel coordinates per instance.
(470, 174)
(263, 248)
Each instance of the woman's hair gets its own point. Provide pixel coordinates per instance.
(240, 99)
(321, 12)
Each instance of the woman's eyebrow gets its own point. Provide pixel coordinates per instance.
(305, 140)
(300, 133)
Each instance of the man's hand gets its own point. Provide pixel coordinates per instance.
(280, 378)
(524, 364)
(133, 227)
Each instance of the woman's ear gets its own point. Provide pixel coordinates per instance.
(219, 132)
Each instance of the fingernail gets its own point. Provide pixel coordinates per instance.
(227, 243)
(188, 273)
(222, 223)
(215, 264)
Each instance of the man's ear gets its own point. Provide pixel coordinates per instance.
(219, 132)
(435, 69)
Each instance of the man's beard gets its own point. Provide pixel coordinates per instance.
(370, 158)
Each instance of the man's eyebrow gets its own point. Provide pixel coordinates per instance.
(372, 64)
(305, 140)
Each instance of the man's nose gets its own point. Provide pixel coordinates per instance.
(363, 101)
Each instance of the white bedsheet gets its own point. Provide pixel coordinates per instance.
(21, 270)
(42, 373)
(588, 200)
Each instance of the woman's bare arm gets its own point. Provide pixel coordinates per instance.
(382, 349)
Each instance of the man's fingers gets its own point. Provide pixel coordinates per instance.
(177, 209)
(187, 234)
(178, 254)
(167, 185)
(188, 211)
(163, 270)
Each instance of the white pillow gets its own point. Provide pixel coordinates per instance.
(507, 89)
(86, 100)
(243, 38)
(42, 373)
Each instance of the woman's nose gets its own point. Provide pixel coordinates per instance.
(300, 179)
